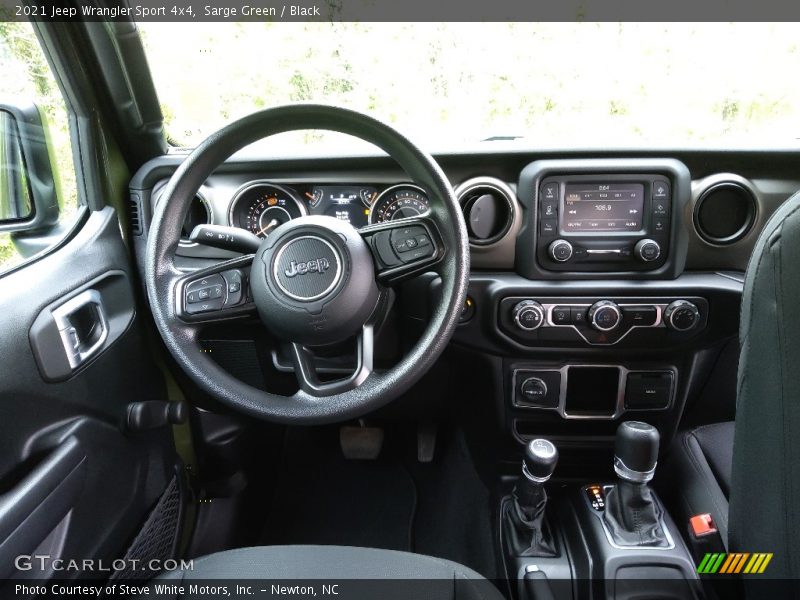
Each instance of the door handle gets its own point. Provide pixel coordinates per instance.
(82, 325)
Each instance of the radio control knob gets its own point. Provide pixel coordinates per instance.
(560, 251)
(605, 315)
(682, 315)
(528, 315)
(647, 250)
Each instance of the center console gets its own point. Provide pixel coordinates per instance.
(602, 539)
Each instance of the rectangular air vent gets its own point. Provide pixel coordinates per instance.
(135, 214)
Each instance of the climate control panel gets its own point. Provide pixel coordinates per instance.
(600, 321)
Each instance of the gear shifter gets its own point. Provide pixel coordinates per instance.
(632, 515)
(528, 533)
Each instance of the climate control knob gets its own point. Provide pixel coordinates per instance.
(528, 315)
(682, 315)
(605, 315)
(647, 250)
(560, 251)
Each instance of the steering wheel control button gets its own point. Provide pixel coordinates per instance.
(640, 316)
(605, 315)
(408, 245)
(307, 268)
(234, 281)
(528, 315)
(561, 251)
(648, 250)
(682, 315)
(204, 295)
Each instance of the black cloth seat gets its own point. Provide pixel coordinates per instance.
(410, 575)
(696, 474)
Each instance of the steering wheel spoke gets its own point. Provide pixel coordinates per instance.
(308, 377)
(404, 248)
(214, 294)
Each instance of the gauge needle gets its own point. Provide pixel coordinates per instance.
(269, 227)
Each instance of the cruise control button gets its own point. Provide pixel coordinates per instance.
(203, 307)
(423, 240)
(562, 315)
(411, 243)
(417, 254)
(401, 246)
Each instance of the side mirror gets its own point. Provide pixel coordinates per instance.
(28, 196)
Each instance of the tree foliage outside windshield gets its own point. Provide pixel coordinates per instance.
(449, 84)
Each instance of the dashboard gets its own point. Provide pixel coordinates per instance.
(602, 284)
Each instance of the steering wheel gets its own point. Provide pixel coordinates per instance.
(312, 281)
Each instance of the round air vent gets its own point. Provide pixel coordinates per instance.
(199, 214)
(488, 207)
(725, 212)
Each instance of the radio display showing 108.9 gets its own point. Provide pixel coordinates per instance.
(603, 207)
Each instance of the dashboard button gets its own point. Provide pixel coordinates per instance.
(660, 190)
(561, 315)
(549, 192)
(659, 225)
(641, 316)
(660, 208)
(561, 251)
(648, 390)
(604, 315)
(549, 209)
(549, 226)
(578, 316)
(534, 390)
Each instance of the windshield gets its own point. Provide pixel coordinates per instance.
(448, 85)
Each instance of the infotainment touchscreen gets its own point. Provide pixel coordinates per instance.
(602, 207)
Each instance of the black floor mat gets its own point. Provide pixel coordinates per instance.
(321, 498)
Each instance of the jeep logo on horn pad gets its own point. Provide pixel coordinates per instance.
(307, 268)
(318, 265)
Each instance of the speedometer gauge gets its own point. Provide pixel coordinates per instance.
(260, 207)
(399, 202)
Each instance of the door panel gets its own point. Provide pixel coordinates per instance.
(72, 479)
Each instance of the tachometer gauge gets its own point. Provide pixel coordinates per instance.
(399, 202)
(261, 207)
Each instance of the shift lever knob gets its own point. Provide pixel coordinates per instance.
(540, 460)
(636, 451)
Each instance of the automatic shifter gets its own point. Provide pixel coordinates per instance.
(632, 515)
(527, 532)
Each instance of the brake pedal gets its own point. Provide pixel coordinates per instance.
(360, 443)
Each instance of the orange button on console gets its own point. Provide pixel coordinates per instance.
(702, 525)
